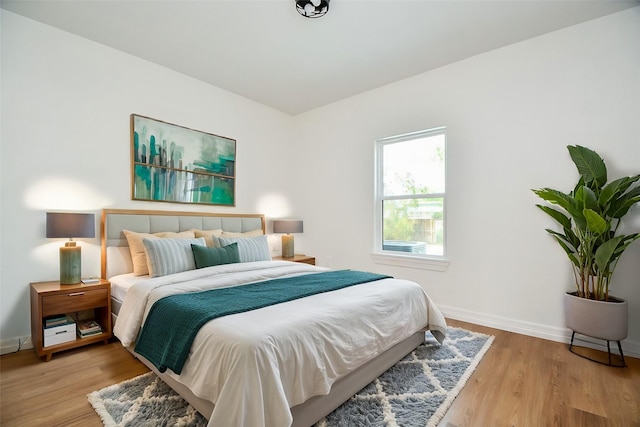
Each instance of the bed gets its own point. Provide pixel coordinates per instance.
(287, 364)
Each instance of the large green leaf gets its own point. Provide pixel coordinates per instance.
(620, 206)
(590, 166)
(616, 188)
(571, 237)
(628, 239)
(561, 218)
(595, 223)
(556, 197)
(563, 238)
(610, 250)
(565, 201)
(570, 252)
(604, 254)
(579, 184)
(610, 191)
(586, 198)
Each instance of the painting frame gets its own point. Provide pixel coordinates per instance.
(176, 164)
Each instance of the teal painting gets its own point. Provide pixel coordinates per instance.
(172, 163)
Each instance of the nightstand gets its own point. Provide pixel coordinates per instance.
(298, 258)
(51, 299)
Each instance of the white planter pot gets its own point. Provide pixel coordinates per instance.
(598, 319)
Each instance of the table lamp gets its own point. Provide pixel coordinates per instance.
(287, 226)
(70, 225)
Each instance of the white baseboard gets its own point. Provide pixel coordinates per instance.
(12, 345)
(9, 346)
(552, 333)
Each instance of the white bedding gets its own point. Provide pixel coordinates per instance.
(254, 366)
(121, 283)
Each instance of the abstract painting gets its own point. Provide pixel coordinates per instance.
(172, 163)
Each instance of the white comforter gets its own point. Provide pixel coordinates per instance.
(254, 366)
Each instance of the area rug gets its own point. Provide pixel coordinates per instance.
(417, 391)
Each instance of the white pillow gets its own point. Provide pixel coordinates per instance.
(249, 249)
(170, 256)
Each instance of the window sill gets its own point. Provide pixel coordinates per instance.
(422, 263)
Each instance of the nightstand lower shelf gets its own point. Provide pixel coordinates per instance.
(47, 352)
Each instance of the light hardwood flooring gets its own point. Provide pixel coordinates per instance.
(521, 381)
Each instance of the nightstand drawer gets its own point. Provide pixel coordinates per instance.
(73, 301)
(59, 334)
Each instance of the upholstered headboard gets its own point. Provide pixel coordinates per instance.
(147, 221)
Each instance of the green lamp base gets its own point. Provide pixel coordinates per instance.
(70, 264)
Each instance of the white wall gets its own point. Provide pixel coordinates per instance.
(510, 114)
(66, 103)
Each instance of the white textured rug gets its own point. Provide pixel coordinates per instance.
(417, 391)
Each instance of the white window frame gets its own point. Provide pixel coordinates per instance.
(411, 260)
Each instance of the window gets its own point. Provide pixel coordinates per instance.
(410, 199)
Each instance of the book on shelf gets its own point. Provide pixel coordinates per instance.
(89, 327)
(57, 321)
(88, 334)
(88, 280)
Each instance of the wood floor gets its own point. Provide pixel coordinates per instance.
(521, 381)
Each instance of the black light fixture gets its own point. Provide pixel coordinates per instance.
(312, 8)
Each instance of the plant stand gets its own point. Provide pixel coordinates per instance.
(599, 320)
(620, 356)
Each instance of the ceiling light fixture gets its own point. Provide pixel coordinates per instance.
(312, 8)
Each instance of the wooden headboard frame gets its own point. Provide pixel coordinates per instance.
(148, 221)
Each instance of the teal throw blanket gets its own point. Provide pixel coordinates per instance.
(173, 322)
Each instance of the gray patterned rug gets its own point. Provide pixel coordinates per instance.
(417, 391)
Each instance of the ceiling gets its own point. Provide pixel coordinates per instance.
(265, 51)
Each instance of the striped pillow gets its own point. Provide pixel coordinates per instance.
(138, 253)
(250, 248)
(170, 256)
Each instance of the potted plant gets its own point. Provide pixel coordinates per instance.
(589, 216)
